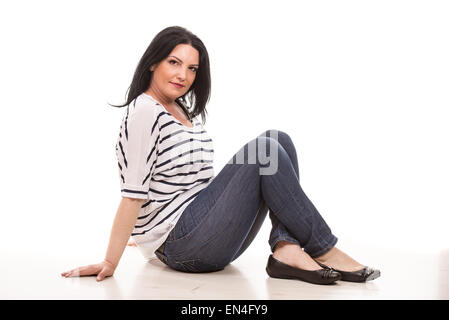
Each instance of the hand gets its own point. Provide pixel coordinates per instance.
(102, 270)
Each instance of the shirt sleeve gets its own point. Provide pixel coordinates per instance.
(137, 149)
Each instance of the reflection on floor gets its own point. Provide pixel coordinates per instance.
(405, 275)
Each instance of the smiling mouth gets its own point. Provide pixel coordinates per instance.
(177, 85)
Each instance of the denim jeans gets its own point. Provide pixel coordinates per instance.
(224, 218)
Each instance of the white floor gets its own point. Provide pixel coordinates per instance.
(36, 275)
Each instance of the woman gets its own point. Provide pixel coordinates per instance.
(174, 206)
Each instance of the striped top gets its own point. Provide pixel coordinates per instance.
(164, 162)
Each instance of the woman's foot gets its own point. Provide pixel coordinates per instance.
(338, 260)
(293, 255)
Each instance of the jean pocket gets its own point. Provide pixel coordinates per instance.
(185, 225)
(178, 234)
(195, 265)
(161, 257)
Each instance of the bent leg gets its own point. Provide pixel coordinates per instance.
(227, 210)
(278, 231)
(223, 213)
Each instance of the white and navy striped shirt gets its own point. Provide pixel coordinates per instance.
(164, 162)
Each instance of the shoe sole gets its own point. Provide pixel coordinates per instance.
(296, 278)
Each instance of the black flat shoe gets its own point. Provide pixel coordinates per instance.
(362, 275)
(278, 269)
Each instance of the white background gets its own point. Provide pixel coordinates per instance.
(360, 86)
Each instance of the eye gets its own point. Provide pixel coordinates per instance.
(193, 68)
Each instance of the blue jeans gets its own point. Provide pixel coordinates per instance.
(224, 218)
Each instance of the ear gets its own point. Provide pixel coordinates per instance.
(154, 66)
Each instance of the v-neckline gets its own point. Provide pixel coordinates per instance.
(191, 120)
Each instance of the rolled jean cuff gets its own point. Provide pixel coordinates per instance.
(330, 244)
(283, 238)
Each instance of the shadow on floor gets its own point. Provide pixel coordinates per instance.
(443, 275)
(157, 281)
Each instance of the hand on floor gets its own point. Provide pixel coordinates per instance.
(101, 270)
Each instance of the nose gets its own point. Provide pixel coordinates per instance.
(181, 75)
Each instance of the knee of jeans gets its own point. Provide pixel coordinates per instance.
(275, 134)
(267, 141)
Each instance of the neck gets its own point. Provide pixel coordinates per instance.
(167, 102)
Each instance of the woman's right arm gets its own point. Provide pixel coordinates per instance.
(123, 225)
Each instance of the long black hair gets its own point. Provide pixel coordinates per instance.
(161, 46)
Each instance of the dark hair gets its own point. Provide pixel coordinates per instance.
(161, 46)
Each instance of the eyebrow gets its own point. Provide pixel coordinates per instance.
(181, 61)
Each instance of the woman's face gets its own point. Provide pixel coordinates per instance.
(179, 67)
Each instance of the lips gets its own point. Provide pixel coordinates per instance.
(177, 85)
